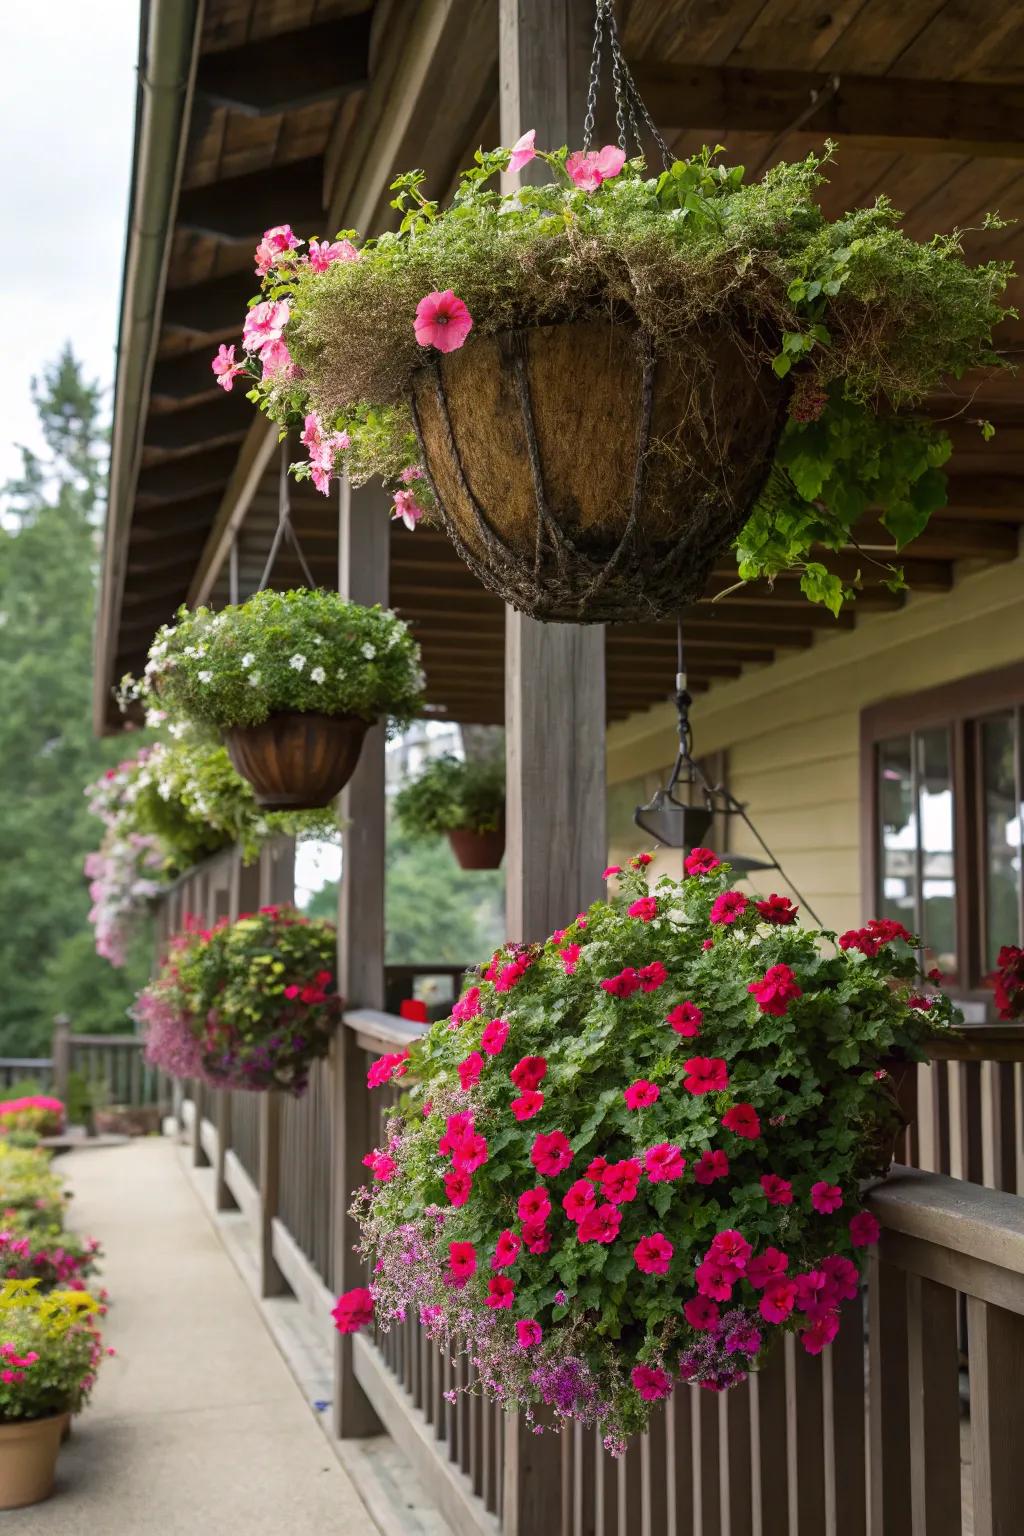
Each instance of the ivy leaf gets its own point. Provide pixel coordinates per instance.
(821, 586)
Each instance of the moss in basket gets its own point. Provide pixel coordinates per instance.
(452, 794)
(860, 318)
(307, 651)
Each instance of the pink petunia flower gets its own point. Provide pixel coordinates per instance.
(506, 1249)
(653, 1254)
(619, 1181)
(551, 1154)
(613, 869)
(458, 1187)
(821, 1332)
(500, 1293)
(522, 151)
(601, 1225)
(826, 1197)
(714, 1280)
(664, 1163)
(536, 1237)
(587, 169)
(276, 360)
(569, 956)
(727, 907)
(494, 1036)
(579, 1199)
(765, 1267)
(624, 984)
(686, 1019)
(225, 367)
(705, 1074)
(710, 1166)
(701, 1313)
(467, 1007)
(534, 1205)
(469, 1071)
(406, 509)
(701, 861)
(442, 321)
(265, 322)
(864, 1229)
(529, 1072)
(528, 1333)
(777, 1191)
(778, 1300)
(651, 1382)
(528, 1104)
(276, 243)
(742, 1120)
(461, 1260)
(323, 254)
(652, 976)
(641, 1094)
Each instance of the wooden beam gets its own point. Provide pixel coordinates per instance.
(206, 422)
(242, 207)
(289, 70)
(185, 376)
(185, 477)
(158, 522)
(215, 306)
(907, 116)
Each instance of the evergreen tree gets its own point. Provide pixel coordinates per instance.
(50, 517)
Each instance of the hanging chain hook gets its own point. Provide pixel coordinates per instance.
(631, 114)
(284, 527)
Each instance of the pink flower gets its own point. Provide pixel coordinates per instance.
(613, 869)
(353, 1310)
(743, 1339)
(442, 321)
(536, 1236)
(467, 1007)
(826, 1197)
(776, 990)
(664, 1163)
(821, 1332)
(864, 1229)
(651, 1382)
(777, 1191)
(641, 1094)
(922, 1004)
(277, 242)
(842, 1279)
(551, 1154)
(730, 1249)
(528, 1104)
(458, 1187)
(701, 861)
(645, 909)
(494, 1036)
(588, 169)
(777, 1300)
(276, 359)
(323, 255)
(701, 1313)
(500, 1293)
(506, 1250)
(534, 1205)
(714, 1280)
(522, 151)
(385, 1068)
(461, 1260)
(727, 907)
(456, 1127)
(624, 984)
(766, 1266)
(742, 1120)
(528, 1333)
(410, 473)
(619, 1181)
(225, 367)
(569, 957)
(384, 1167)
(469, 1152)
(653, 1254)
(652, 976)
(595, 1169)
(600, 1225)
(529, 1072)
(579, 1199)
(711, 1166)
(469, 1071)
(406, 509)
(265, 322)
(641, 860)
(777, 909)
(705, 1074)
(686, 1019)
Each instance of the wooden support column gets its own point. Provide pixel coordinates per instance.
(364, 540)
(198, 907)
(554, 673)
(996, 1342)
(61, 1056)
(276, 886)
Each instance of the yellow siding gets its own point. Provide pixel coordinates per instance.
(792, 730)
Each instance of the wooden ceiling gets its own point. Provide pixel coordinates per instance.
(924, 98)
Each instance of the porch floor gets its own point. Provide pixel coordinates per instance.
(197, 1425)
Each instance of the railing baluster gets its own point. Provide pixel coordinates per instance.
(844, 1386)
(889, 1409)
(996, 1339)
(770, 1447)
(735, 1469)
(706, 1475)
(934, 1408)
(805, 1424)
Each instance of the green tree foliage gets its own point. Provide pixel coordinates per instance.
(49, 519)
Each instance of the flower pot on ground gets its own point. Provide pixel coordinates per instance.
(129, 1120)
(462, 799)
(291, 680)
(249, 1004)
(597, 385)
(635, 1153)
(51, 1351)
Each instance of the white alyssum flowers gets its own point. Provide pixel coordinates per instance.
(247, 661)
(318, 675)
(297, 662)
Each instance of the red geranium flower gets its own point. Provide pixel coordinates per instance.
(645, 909)
(776, 990)
(777, 909)
(727, 907)
(701, 861)
(353, 1310)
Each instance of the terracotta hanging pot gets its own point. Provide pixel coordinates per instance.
(295, 761)
(28, 1459)
(585, 479)
(478, 850)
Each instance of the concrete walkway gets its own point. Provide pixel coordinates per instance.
(197, 1426)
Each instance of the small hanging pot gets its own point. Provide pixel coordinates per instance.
(585, 477)
(478, 850)
(297, 761)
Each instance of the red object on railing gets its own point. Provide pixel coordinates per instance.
(414, 1010)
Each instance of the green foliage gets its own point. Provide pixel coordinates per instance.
(302, 650)
(48, 547)
(52, 1350)
(451, 793)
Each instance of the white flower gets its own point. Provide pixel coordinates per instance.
(248, 659)
(191, 652)
(297, 662)
(393, 639)
(369, 651)
(254, 679)
(318, 675)
(318, 640)
(205, 677)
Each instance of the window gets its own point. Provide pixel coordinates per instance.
(944, 819)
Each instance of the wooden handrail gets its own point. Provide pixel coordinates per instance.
(114, 1040)
(982, 1224)
(379, 1031)
(980, 1042)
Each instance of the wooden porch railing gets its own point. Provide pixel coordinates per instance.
(115, 1064)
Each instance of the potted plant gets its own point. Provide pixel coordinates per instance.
(463, 798)
(292, 680)
(596, 385)
(51, 1351)
(31, 1196)
(248, 1004)
(637, 1151)
(36, 1112)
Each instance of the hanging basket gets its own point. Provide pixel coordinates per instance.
(297, 761)
(586, 480)
(478, 850)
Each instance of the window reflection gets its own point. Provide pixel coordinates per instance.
(918, 883)
(1002, 851)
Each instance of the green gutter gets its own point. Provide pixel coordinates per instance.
(169, 33)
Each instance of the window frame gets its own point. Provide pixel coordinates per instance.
(958, 707)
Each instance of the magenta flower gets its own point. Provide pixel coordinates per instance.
(277, 242)
(619, 1181)
(686, 1019)
(579, 1200)
(323, 255)
(742, 1120)
(551, 1154)
(705, 1074)
(528, 1333)
(529, 1072)
(727, 907)
(534, 1205)
(569, 957)
(645, 909)
(494, 1036)
(458, 1187)
(653, 1254)
(588, 169)
(468, 1006)
(506, 1250)
(777, 989)
(765, 1267)
(522, 151)
(651, 1382)
(701, 861)
(461, 1260)
(711, 1166)
(714, 1280)
(528, 1104)
(864, 1229)
(613, 869)
(778, 1300)
(276, 360)
(442, 321)
(652, 976)
(601, 1225)
(500, 1293)
(777, 1191)
(353, 1310)
(469, 1071)
(225, 367)
(701, 1313)
(641, 1094)
(826, 1197)
(265, 322)
(406, 509)
(777, 909)
(821, 1332)
(624, 984)
(664, 1163)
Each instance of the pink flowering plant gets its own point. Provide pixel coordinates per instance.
(50, 1351)
(857, 318)
(249, 1004)
(636, 1153)
(36, 1112)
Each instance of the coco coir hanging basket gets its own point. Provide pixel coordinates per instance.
(586, 477)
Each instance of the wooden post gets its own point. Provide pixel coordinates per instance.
(243, 896)
(200, 907)
(61, 1056)
(364, 539)
(554, 673)
(276, 885)
(996, 1342)
(889, 1401)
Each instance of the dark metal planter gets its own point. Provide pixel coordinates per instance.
(297, 762)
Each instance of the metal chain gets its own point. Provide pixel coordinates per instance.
(594, 84)
(630, 109)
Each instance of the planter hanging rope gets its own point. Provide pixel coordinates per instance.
(285, 528)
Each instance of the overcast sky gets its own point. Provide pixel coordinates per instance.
(66, 121)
